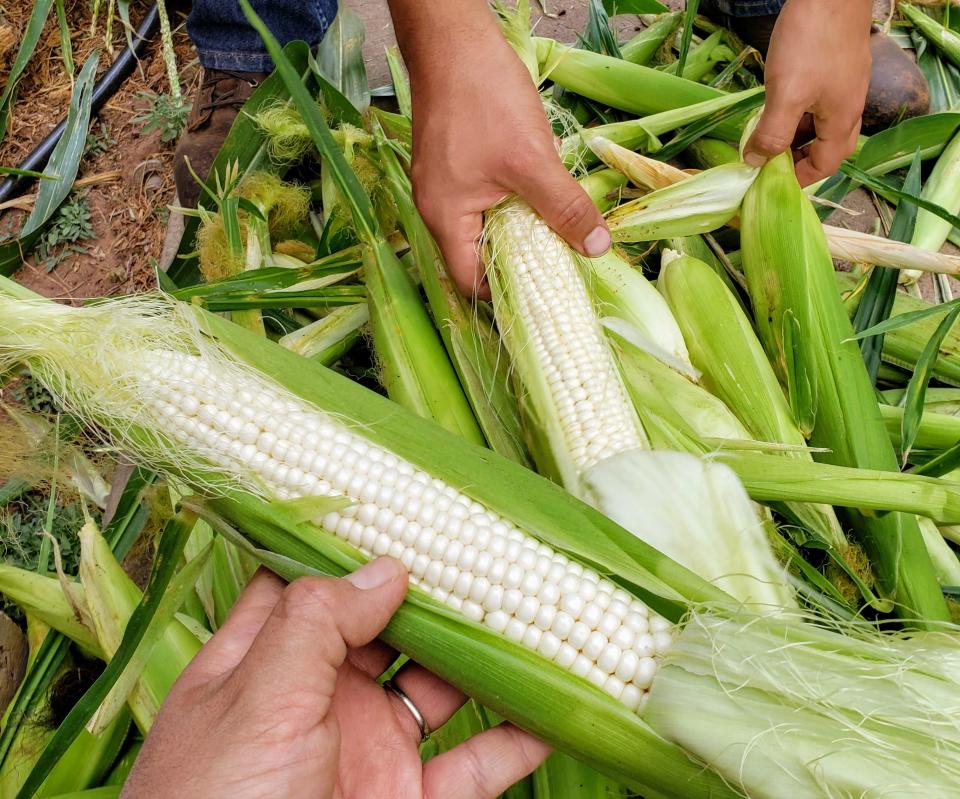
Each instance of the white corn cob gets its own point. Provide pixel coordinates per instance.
(463, 554)
(567, 341)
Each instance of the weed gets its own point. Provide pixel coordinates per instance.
(165, 113)
(99, 141)
(71, 223)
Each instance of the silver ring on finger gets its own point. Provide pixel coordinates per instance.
(392, 687)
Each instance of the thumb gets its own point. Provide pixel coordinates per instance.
(557, 197)
(314, 623)
(775, 131)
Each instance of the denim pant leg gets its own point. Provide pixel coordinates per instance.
(225, 40)
(746, 8)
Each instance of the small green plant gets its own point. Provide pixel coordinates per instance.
(164, 113)
(33, 396)
(71, 223)
(99, 140)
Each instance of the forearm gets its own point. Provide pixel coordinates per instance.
(430, 34)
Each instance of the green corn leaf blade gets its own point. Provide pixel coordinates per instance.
(833, 189)
(908, 318)
(880, 292)
(940, 465)
(26, 173)
(917, 387)
(28, 43)
(615, 7)
(169, 550)
(64, 162)
(887, 189)
(715, 121)
(330, 297)
(247, 147)
(943, 78)
(340, 59)
(944, 39)
(66, 46)
(597, 35)
(401, 83)
(895, 147)
(689, 15)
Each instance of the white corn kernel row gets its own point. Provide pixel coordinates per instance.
(595, 413)
(462, 553)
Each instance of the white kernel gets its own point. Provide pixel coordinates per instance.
(545, 616)
(658, 624)
(511, 599)
(562, 625)
(497, 620)
(643, 645)
(472, 610)
(407, 557)
(646, 670)
(448, 577)
(548, 594)
(513, 576)
(623, 637)
(527, 609)
(609, 624)
(662, 642)
(565, 655)
(467, 559)
(609, 658)
(368, 536)
(438, 547)
(613, 686)
(493, 601)
(627, 665)
(381, 543)
(420, 565)
(637, 622)
(498, 570)
(478, 588)
(591, 615)
(432, 575)
(595, 645)
(572, 604)
(549, 644)
(515, 630)
(597, 676)
(581, 665)
(452, 553)
(532, 637)
(464, 582)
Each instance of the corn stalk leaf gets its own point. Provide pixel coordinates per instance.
(917, 387)
(31, 35)
(894, 147)
(881, 290)
(908, 318)
(888, 190)
(169, 550)
(401, 84)
(723, 118)
(66, 46)
(615, 7)
(340, 59)
(690, 13)
(64, 163)
(597, 35)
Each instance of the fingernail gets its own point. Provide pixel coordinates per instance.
(598, 242)
(754, 159)
(374, 574)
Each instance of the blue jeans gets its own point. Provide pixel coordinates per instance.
(744, 8)
(225, 40)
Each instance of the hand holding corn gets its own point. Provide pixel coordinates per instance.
(476, 141)
(818, 64)
(283, 701)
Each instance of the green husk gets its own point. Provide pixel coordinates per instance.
(641, 48)
(330, 337)
(930, 232)
(698, 204)
(724, 347)
(944, 39)
(808, 337)
(707, 153)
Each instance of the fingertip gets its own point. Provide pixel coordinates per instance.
(377, 573)
(597, 242)
(753, 158)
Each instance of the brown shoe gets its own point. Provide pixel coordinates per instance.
(897, 87)
(222, 93)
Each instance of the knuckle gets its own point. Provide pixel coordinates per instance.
(573, 213)
(313, 594)
(771, 141)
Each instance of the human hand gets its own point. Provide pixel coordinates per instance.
(479, 134)
(818, 63)
(283, 702)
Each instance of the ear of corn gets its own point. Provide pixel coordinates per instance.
(790, 276)
(468, 337)
(641, 47)
(725, 349)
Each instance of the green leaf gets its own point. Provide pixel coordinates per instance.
(907, 319)
(66, 47)
(886, 188)
(169, 550)
(597, 35)
(64, 162)
(689, 15)
(340, 58)
(26, 173)
(401, 84)
(894, 148)
(917, 387)
(881, 290)
(615, 7)
(31, 35)
(702, 127)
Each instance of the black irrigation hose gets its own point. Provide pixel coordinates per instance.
(105, 88)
